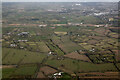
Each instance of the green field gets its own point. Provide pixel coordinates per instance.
(7, 72)
(79, 66)
(24, 70)
(15, 56)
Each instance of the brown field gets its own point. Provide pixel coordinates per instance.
(96, 37)
(47, 70)
(101, 31)
(40, 75)
(114, 35)
(78, 56)
(114, 27)
(117, 54)
(92, 41)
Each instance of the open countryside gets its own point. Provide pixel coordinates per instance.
(60, 40)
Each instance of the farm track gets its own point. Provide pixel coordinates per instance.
(8, 66)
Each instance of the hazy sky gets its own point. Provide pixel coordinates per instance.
(60, 0)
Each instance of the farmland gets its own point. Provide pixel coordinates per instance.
(79, 66)
(62, 40)
(15, 56)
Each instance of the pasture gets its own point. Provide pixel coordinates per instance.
(15, 56)
(24, 70)
(80, 66)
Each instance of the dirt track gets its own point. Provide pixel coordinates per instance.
(7, 66)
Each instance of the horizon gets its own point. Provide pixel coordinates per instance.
(60, 1)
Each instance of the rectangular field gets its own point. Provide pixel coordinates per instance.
(15, 56)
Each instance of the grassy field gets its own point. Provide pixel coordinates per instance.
(22, 70)
(56, 39)
(79, 66)
(7, 72)
(54, 48)
(15, 56)
(69, 47)
(118, 65)
(25, 70)
(43, 47)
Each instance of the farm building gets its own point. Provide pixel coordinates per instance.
(23, 33)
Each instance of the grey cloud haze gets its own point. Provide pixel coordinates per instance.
(60, 0)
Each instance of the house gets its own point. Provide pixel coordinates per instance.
(50, 52)
(23, 33)
(13, 45)
(42, 25)
(9, 33)
(22, 40)
(92, 50)
(58, 74)
(111, 19)
(78, 4)
(98, 25)
(21, 47)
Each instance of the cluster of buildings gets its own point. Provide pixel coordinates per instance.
(23, 33)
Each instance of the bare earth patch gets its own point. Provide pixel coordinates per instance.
(47, 70)
(101, 31)
(78, 56)
(7, 66)
(92, 42)
(40, 75)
